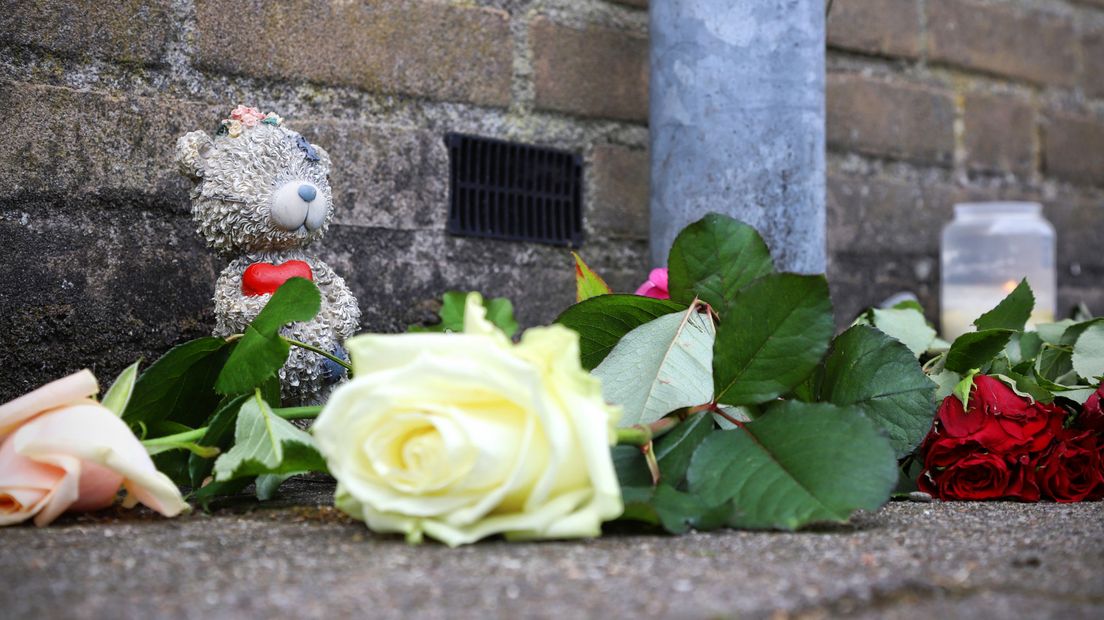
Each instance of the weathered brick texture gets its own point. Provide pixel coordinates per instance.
(1003, 39)
(1092, 45)
(1000, 134)
(594, 72)
(618, 187)
(884, 27)
(1073, 149)
(135, 32)
(412, 47)
(896, 120)
(64, 143)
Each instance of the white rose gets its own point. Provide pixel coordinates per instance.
(462, 436)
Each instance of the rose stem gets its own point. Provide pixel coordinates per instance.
(287, 413)
(303, 345)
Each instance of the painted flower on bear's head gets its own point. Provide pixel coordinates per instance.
(249, 117)
(273, 119)
(233, 128)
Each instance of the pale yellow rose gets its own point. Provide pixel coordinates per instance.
(462, 436)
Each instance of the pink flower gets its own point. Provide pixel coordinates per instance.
(249, 117)
(61, 450)
(656, 285)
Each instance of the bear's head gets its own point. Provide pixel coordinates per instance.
(258, 185)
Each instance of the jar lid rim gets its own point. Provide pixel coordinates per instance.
(998, 208)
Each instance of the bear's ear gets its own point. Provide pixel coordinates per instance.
(323, 156)
(191, 149)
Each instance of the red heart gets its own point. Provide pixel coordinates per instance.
(265, 278)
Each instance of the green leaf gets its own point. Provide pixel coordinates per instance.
(1054, 363)
(660, 366)
(1012, 312)
(771, 337)
(945, 381)
(206, 452)
(118, 395)
(264, 443)
(881, 377)
(672, 452)
(179, 386)
(268, 484)
(602, 321)
(740, 414)
(1026, 387)
(500, 313)
(675, 510)
(907, 325)
(976, 349)
(1088, 353)
(962, 388)
(587, 283)
(800, 463)
(714, 258)
(220, 434)
(1023, 346)
(1073, 332)
(1052, 332)
(262, 351)
(212, 490)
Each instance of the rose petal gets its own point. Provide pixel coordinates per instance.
(26, 486)
(658, 277)
(92, 433)
(65, 391)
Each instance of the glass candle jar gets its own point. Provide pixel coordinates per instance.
(986, 251)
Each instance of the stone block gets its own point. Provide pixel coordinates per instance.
(135, 32)
(1092, 46)
(59, 142)
(617, 184)
(394, 273)
(385, 176)
(1004, 40)
(1073, 149)
(895, 120)
(861, 280)
(1000, 134)
(593, 72)
(96, 285)
(882, 27)
(882, 216)
(413, 47)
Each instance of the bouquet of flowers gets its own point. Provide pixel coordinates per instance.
(719, 396)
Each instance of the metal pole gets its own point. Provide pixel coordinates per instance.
(737, 122)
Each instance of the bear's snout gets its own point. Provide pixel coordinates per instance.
(296, 204)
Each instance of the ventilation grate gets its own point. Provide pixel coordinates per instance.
(517, 192)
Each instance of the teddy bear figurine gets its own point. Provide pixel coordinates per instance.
(261, 195)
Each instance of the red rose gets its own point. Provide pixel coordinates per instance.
(1071, 470)
(980, 475)
(1092, 413)
(1023, 483)
(998, 418)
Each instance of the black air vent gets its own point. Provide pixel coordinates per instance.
(518, 192)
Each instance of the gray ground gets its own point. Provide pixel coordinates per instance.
(909, 560)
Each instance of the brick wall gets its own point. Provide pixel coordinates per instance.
(932, 102)
(101, 262)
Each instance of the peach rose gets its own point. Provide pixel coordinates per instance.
(61, 450)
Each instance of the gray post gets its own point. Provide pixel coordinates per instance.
(737, 122)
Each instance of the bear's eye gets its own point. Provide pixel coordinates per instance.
(309, 153)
